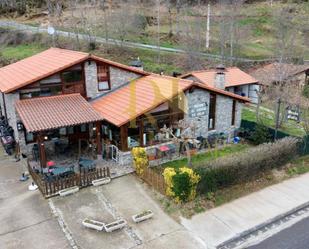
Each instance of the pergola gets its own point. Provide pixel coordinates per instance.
(40, 115)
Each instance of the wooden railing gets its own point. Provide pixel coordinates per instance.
(154, 179)
(51, 187)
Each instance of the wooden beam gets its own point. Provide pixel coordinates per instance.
(42, 152)
(124, 137)
(141, 131)
(99, 144)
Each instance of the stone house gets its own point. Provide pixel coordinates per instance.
(275, 72)
(236, 81)
(73, 95)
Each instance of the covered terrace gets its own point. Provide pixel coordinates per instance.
(47, 120)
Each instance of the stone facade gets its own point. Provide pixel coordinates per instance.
(91, 79)
(224, 112)
(119, 77)
(198, 96)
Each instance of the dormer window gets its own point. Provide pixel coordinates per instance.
(103, 78)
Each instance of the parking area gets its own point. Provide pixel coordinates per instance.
(25, 217)
(123, 197)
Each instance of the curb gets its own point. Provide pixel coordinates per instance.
(225, 244)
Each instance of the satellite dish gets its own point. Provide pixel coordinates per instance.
(50, 30)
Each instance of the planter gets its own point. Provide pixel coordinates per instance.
(151, 157)
(118, 224)
(101, 181)
(93, 224)
(68, 191)
(192, 152)
(142, 216)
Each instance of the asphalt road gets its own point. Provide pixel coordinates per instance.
(294, 237)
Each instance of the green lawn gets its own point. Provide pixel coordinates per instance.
(207, 156)
(20, 51)
(268, 118)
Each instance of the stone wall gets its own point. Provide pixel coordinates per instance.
(198, 96)
(10, 100)
(223, 113)
(91, 79)
(119, 77)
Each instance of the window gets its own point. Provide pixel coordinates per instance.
(103, 78)
(72, 76)
(233, 113)
(212, 112)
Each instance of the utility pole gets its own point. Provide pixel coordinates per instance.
(208, 26)
(277, 118)
(158, 31)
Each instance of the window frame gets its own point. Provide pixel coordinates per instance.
(107, 77)
(212, 111)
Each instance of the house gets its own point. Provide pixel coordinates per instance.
(236, 81)
(67, 95)
(282, 72)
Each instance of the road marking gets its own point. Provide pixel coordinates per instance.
(113, 211)
(64, 227)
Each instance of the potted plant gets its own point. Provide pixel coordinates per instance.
(101, 181)
(68, 191)
(147, 214)
(93, 224)
(118, 224)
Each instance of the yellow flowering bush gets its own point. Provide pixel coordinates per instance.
(140, 159)
(181, 183)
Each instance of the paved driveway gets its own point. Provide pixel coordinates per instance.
(25, 217)
(123, 197)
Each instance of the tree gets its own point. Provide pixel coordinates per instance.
(186, 137)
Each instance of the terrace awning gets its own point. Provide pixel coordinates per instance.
(40, 114)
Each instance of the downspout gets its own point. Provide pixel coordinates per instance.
(4, 107)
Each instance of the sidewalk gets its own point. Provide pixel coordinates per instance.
(236, 218)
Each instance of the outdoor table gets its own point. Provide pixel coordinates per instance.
(86, 163)
(57, 171)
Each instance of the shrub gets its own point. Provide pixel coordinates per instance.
(140, 159)
(260, 135)
(240, 167)
(181, 183)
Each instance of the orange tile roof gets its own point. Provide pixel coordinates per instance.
(138, 97)
(45, 64)
(143, 95)
(46, 113)
(37, 67)
(233, 77)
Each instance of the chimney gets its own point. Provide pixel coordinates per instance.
(137, 63)
(220, 77)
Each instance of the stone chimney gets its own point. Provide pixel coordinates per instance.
(137, 63)
(220, 77)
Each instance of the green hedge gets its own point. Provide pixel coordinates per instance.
(240, 167)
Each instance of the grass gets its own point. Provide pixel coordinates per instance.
(21, 51)
(268, 118)
(207, 156)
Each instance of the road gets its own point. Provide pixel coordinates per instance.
(20, 26)
(294, 237)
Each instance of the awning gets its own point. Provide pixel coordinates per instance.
(47, 113)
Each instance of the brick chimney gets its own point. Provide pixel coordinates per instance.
(220, 77)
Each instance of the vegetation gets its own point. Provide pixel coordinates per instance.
(267, 118)
(140, 159)
(181, 183)
(207, 156)
(243, 166)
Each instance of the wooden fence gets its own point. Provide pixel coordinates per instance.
(51, 187)
(154, 179)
